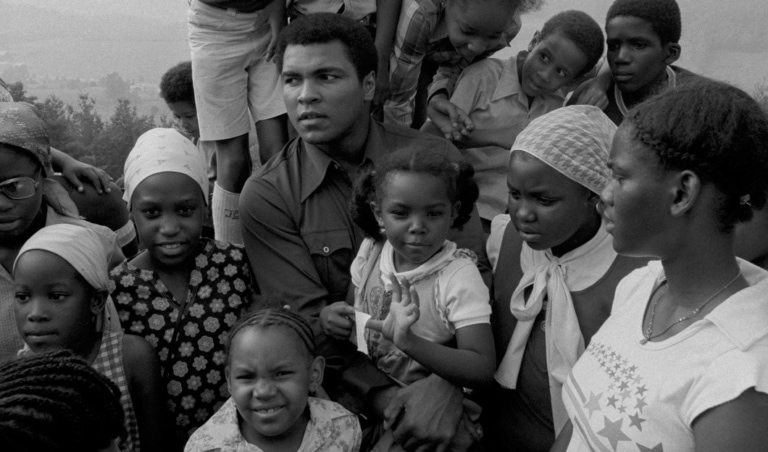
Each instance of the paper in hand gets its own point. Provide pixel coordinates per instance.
(361, 318)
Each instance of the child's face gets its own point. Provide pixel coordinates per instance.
(548, 209)
(477, 27)
(552, 62)
(16, 215)
(637, 58)
(185, 115)
(416, 215)
(635, 204)
(270, 376)
(53, 308)
(167, 209)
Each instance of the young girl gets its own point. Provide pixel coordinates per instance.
(681, 364)
(272, 369)
(61, 286)
(555, 272)
(183, 292)
(407, 207)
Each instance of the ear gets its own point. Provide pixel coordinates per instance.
(98, 301)
(316, 372)
(369, 86)
(377, 213)
(686, 190)
(673, 52)
(534, 41)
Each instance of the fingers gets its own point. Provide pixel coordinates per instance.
(375, 325)
(392, 412)
(396, 293)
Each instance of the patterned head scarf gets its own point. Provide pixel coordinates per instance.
(573, 140)
(163, 151)
(82, 248)
(21, 126)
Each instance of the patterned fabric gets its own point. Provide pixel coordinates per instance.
(22, 126)
(189, 335)
(164, 151)
(422, 33)
(109, 362)
(82, 248)
(573, 140)
(625, 394)
(330, 428)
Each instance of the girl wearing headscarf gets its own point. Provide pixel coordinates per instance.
(61, 286)
(184, 291)
(555, 272)
(29, 200)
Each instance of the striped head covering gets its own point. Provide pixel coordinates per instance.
(573, 140)
(163, 151)
(84, 249)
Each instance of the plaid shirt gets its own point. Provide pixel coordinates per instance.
(422, 33)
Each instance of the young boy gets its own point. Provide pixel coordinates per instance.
(502, 97)
(642, 40)
(450, 34)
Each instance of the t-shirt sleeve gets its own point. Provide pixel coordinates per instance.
(726, 378)
(495, 239)
(462, 296)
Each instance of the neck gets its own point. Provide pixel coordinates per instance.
(632, 99)
(348, 150)
(10, 247)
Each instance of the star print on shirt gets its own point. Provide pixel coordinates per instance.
(612, 431)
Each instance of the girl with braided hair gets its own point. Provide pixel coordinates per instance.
(55, 401)
(682, 362)
(61, 285)
(272, 369)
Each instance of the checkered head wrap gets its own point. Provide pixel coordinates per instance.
(21, 126)
(573, 140)
(164, 151)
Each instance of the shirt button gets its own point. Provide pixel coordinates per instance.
(326, 249)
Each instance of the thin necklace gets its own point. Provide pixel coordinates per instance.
(671, 82)
(648, 333)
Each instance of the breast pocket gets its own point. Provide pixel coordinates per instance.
(332, 254)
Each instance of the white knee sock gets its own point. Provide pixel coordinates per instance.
(226, 215)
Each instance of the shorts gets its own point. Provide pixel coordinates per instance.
(228, 60)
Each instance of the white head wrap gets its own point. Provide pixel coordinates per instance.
(163, 151)
(575, 142)
(82, 248)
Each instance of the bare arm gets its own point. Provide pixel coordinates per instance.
(563, 439)
(504, 137)
(142, 370)
(74, 171)
(735, 425)
(387, 16)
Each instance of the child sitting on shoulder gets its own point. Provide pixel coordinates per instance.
(183, 292)
(61, 287)
(502, 97)
(272, 370)
(555, 272)
(407, 207)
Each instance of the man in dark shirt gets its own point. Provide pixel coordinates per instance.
(297, 229)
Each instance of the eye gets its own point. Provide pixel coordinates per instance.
(613, 46)
(398, 213)
(187, 211)
(561, 73)
(639, 45)
(22, 297)
(514, 194)
(435, 214)
(544, 57)
(546, 201)
(328, 77)
(283, 374)
(151, 213)
(58, 296)
(289, 80)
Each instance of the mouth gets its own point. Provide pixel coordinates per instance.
(8, 223)
(267, 411)
(36, 335)
(310, 115)
(527, 234)
(622, 77)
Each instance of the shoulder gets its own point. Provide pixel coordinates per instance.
(637, 282)
(337, 428)
(137, 352)
(489, 69)
(397, 138)
(220, 431)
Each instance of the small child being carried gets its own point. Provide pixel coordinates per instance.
(439, 322)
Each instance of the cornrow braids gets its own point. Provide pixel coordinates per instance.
(55, 401)
(274, 316)
(715, 130)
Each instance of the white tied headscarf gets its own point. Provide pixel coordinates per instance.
(85, 250)
(163, 151)
(574, 141)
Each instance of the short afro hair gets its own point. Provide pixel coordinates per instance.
(176, 84)
(581, 29)
(715, 130)
(663, 15)
(323, 28)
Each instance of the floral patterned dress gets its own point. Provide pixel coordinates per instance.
(189, 336)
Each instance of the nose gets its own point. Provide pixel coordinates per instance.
(606, 196)
(479, 45)
(6, 203)
(307, 92)
(263, 389)
(417, 225)
(36, 311)
(622, 54)
(169, 226)
(524, 211)
(545, 74)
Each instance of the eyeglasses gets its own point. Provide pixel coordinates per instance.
(19, 188)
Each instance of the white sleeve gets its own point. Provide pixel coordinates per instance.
(462, 296)
(493, 245)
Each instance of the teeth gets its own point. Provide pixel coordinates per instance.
(267, 411)
(171, 245)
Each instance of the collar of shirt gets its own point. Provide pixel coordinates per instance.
(317, 163)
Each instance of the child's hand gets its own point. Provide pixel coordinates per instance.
(403, 313)
(590, 92)
(336, 320)
(452, 121)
